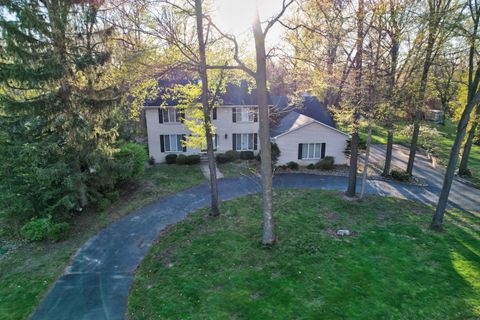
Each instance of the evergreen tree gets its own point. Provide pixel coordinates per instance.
(58, 107)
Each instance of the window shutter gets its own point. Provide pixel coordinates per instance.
(300, 151)
(234, 115)
(160, 115)
(162, 145)
(234, 141)
(255, 114)
(184, 139)
(214, 114)
(322, 155)
(255, 141)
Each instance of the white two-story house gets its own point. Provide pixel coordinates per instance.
(304, 135)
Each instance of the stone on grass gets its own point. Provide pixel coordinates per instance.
(343, 232)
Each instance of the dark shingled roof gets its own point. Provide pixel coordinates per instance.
(314, 109)
(234, 95)
(291, 117)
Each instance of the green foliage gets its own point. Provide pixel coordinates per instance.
(181, 159)
(40, 229)
(171, 158)
(275, 153)
(427, 138)
(292, 165)
(311, 166)
(103, 204)
(222, 158)
(61, 108)
(232, 155)
(134, 155)
(326, 163)
(113, 196)
(400, 175)
(151, 161)
(247, 155)
(193, 159)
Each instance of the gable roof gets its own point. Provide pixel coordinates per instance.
(314, 109)
(295, 120)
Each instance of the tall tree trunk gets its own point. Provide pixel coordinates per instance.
(437, 220)
(432, 34)
(367, 159)
(264, 134)
(394, 35)
(388, 155)
(463, 168)
(472, 100)
(206, 110)
(352, 174)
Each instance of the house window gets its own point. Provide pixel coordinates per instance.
(170, 115)
(244, 114)
(215, 143)
(172, 143)
(311, 151)
(244, 141)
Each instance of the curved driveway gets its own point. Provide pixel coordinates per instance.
(97, 282)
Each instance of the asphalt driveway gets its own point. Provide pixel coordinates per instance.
(461, 194)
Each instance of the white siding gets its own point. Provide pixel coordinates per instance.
(336, 143)
(224, 125)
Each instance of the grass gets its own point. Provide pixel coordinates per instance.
(28, 269)
(393, 267)
(234, 169)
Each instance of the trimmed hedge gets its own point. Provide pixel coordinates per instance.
(247, 155)
(222, 158)
(326, 163)
(232, 155)
(193, 159)
(292, 165)
(182, 159)
(171, 158)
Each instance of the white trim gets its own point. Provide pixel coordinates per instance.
(306, 124)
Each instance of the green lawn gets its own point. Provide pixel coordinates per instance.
(28, 269)
(234, 169)
(393, 267)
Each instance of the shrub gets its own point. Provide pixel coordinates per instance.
(151, 161)
(311, 166)
(258, 157)
(171, 158)
(193, 159)
(326, 163)
(247, 155)
(182, 159)
(400, 175)
(39, 229)
(232, 155)
(103, 204)
(275, 153)
(113, 196)
(134, 156)
(292, 165)
(222, 158)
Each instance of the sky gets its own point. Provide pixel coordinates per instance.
(236, 16)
